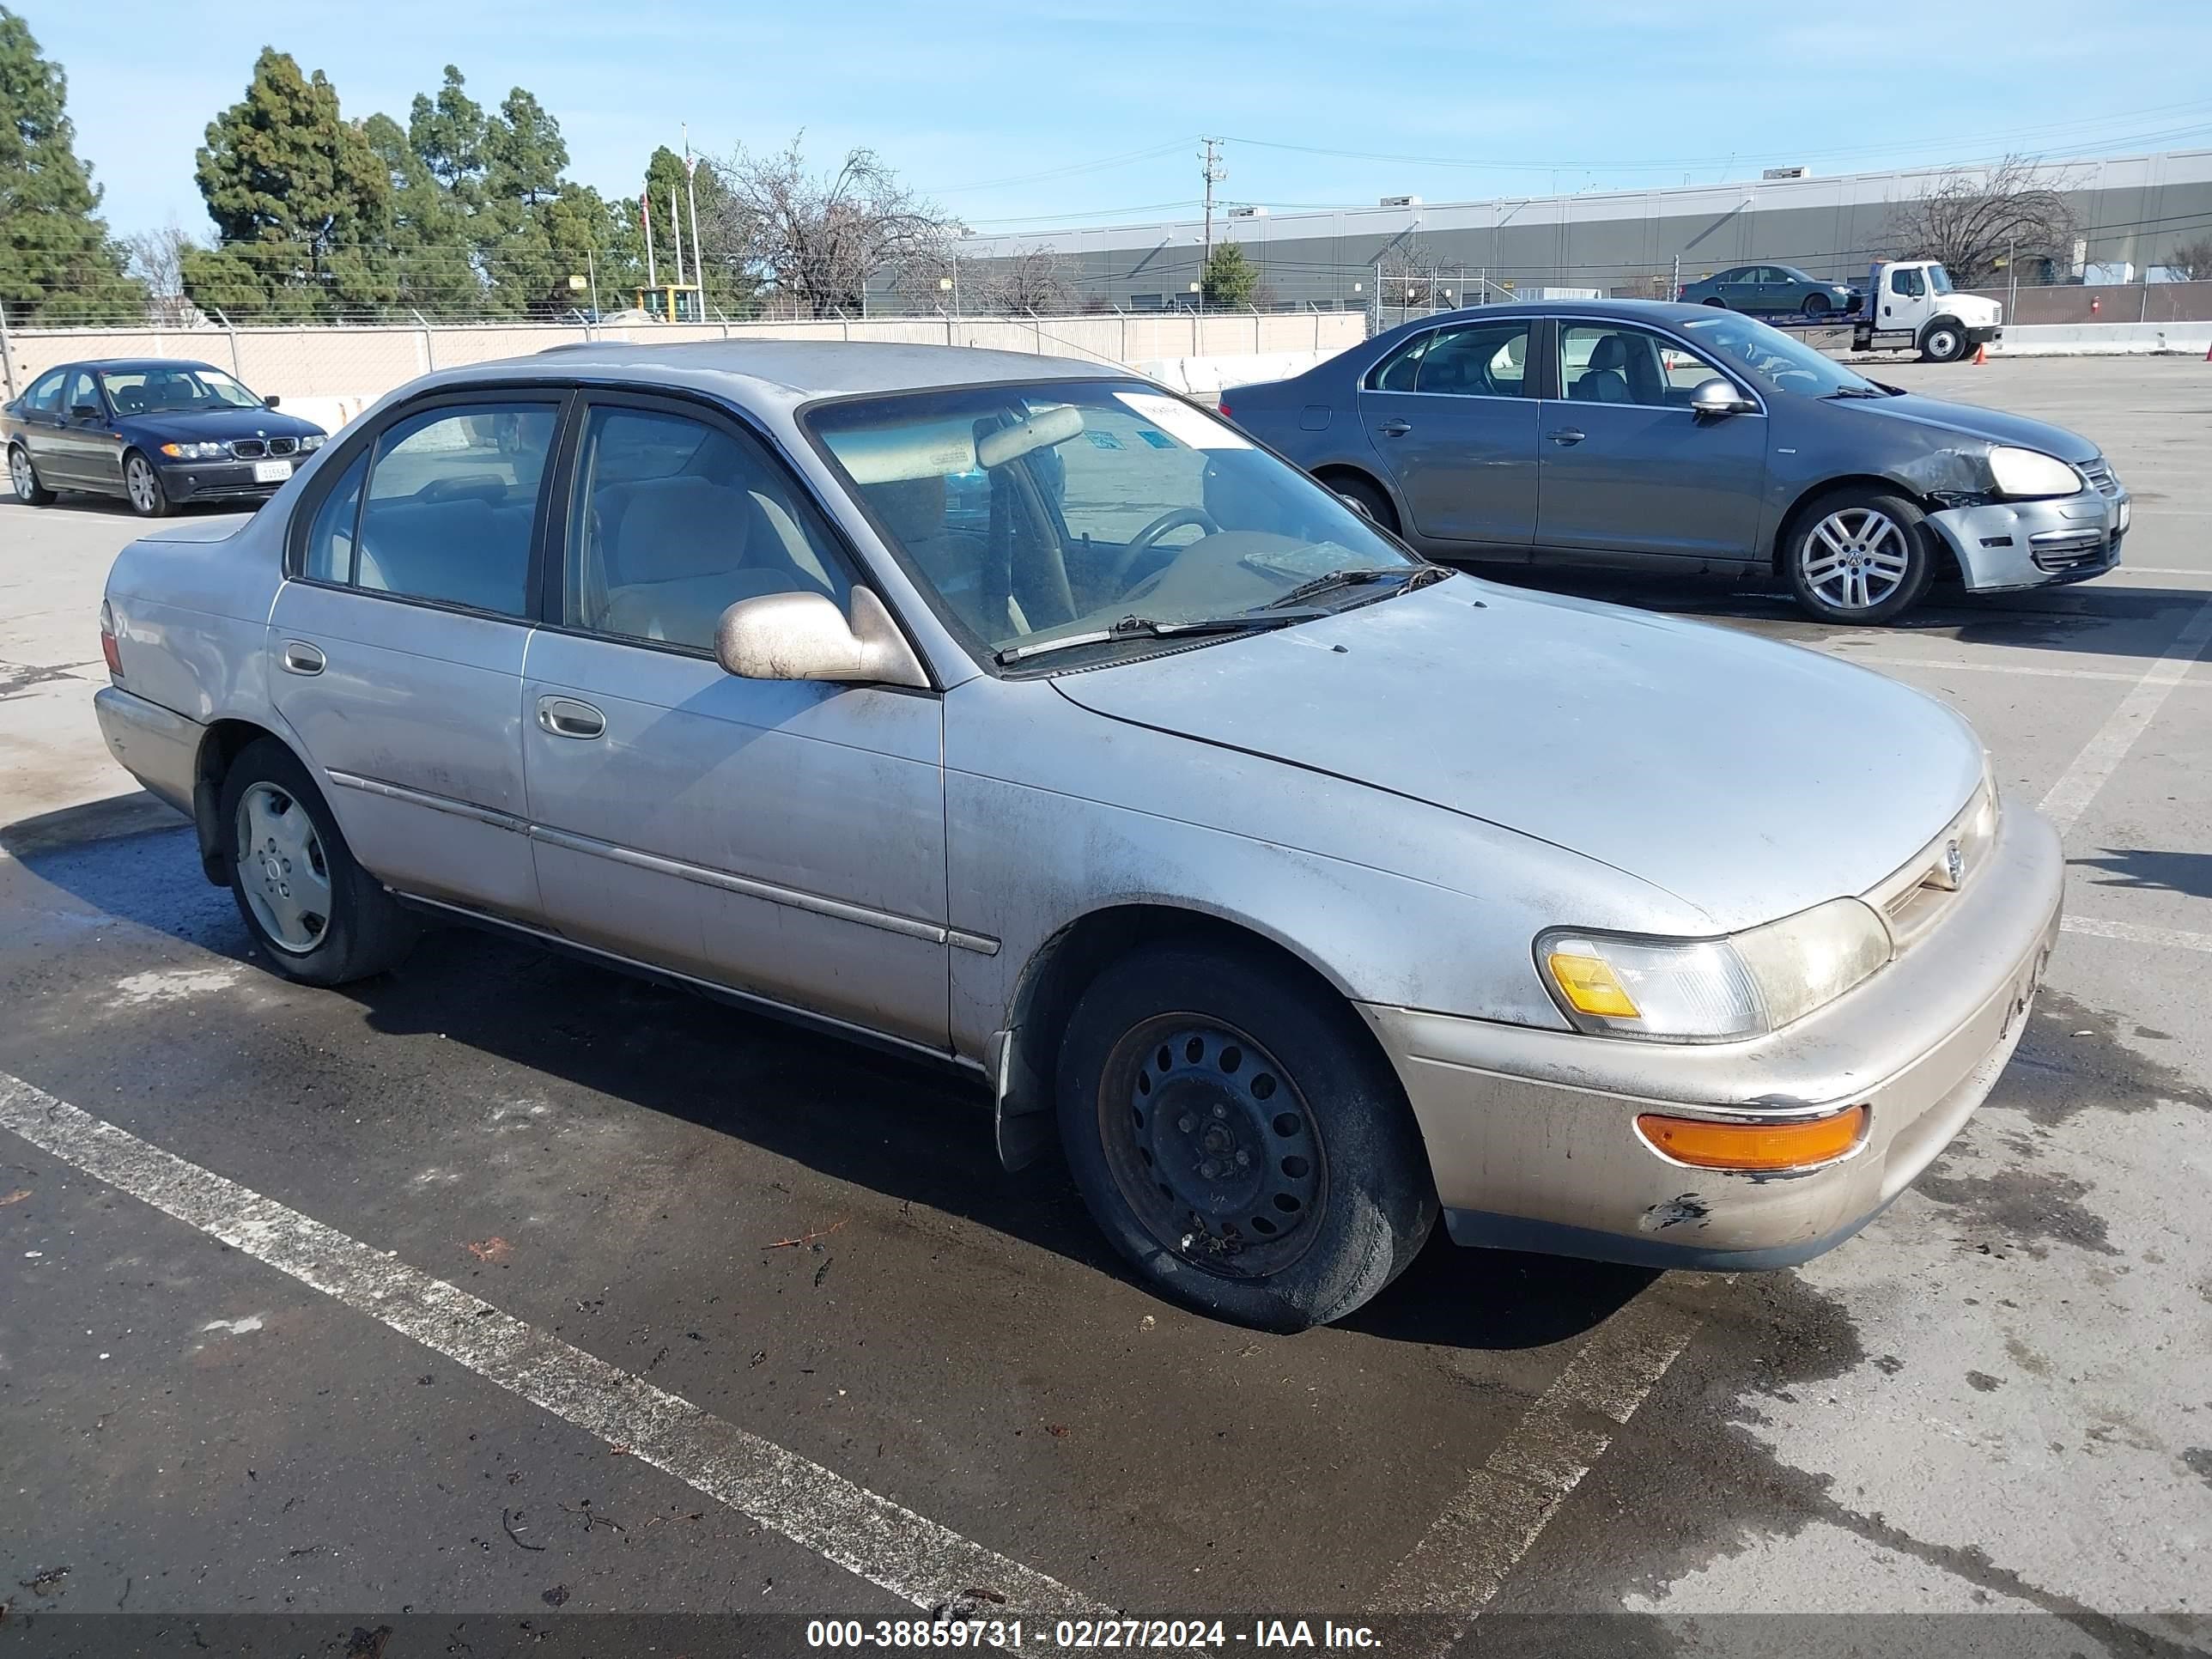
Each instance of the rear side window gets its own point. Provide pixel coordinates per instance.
(329, 539)
(450, 506)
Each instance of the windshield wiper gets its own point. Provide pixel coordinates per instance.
(1411, 576)
(1867, 391)
(1146, 627)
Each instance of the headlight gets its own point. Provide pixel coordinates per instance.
(314, 441)
(195, 451)
(1713, 990)
(2029, 473)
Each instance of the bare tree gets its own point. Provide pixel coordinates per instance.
(2193, 260)
(1973, 219)
(158, 257)
(1037, 280)
(816, 239)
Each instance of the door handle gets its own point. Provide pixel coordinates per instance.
(565, 717)
(1566, 436)
(300, 658)
(1394, 428)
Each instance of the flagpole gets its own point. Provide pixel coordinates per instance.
(691, 196)
(645, 213)
(675, 229)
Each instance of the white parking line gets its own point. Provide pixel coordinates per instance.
(2180, 937)
(2101, 756)
(1469, 1549)
(889, 1546)
(2032, 670)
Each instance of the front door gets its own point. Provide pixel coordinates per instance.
(1453, 416)
(1630, 468)
(784, 838)
(395, 653)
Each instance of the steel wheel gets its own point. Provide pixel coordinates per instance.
(145, 490)
(1212, 1146)
(1855, 558)
(1944, 345)
(284, 876)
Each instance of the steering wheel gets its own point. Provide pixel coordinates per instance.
(1174, 519)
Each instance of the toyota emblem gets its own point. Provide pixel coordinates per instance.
(1954, 862)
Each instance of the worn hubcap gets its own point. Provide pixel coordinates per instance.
(1855, 559)
(1212, 1146)
(281, 865)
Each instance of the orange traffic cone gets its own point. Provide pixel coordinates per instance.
(2208, 354)
(1981, 356)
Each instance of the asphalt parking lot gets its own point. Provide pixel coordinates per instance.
(502, 1289)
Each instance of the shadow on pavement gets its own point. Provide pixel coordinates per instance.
(907, 1128)
(2116, 620)
(2155, 872)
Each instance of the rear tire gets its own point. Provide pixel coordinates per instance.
(1859, 557)
(1366, 500)
(318, 917)
(25, 478)
(1239, 1139)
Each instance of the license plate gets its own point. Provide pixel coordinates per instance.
(271, 471)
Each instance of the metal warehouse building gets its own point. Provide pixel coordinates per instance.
(2129, 210)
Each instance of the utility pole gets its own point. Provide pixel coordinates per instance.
(1213, 173)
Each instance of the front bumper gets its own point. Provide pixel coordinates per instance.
(1531, 1134)
(216, 481)
(2002, 545)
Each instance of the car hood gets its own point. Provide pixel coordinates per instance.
(1975, 422)
(220, 425)
(1748, 779)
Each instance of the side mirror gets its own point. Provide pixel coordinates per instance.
(271, 402)
(1719, 397)
(803, 636)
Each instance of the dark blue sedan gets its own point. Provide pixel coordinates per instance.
(157, 431)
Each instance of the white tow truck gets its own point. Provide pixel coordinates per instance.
(1909, 305)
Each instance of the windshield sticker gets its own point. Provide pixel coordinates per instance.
(1157, 440)
(1181, 421)
(1103, 440)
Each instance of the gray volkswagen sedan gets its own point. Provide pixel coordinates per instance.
(1681, 439)
(1018, 713)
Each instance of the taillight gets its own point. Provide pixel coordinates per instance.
(108, 647)
(1222, 409)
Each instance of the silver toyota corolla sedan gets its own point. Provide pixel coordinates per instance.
(1013, 711)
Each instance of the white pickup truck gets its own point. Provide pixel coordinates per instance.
(1909, 305)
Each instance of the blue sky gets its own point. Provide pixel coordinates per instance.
(1019, 118)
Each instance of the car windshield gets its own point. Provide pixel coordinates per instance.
(1939, 279)
(1778, 361)
(169, 388)
(1068, 510)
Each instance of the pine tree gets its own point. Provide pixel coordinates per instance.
(1230, 278)
(58, 263)
(301, 200)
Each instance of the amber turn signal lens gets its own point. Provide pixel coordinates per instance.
(1791, 1145)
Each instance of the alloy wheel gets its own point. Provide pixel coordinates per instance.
(1855, 558)
(281, 869)
(138, 479)
(21, 475)
(1212, 1145)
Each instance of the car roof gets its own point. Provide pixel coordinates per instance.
(122, 364)
(1640, 311)
(792, 370)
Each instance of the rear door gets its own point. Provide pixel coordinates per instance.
(397, 646)
(1453, 414)
(87, 454)
(786, 838)
(42, 410)
(1628, 468)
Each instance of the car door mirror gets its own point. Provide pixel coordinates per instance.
(271, 401)
(1720, 396)
(803, 636)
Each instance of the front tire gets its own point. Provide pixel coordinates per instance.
(318, 917)
(142, 488)
(1943, 341)
(1718, 304)
(25, 478)
(1238, 1137)
(1816, 305)
(1859, 557)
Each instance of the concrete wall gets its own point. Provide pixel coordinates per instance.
(2130, 209)
(331, 371)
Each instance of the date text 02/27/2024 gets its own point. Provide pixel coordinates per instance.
(1083, 1633)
